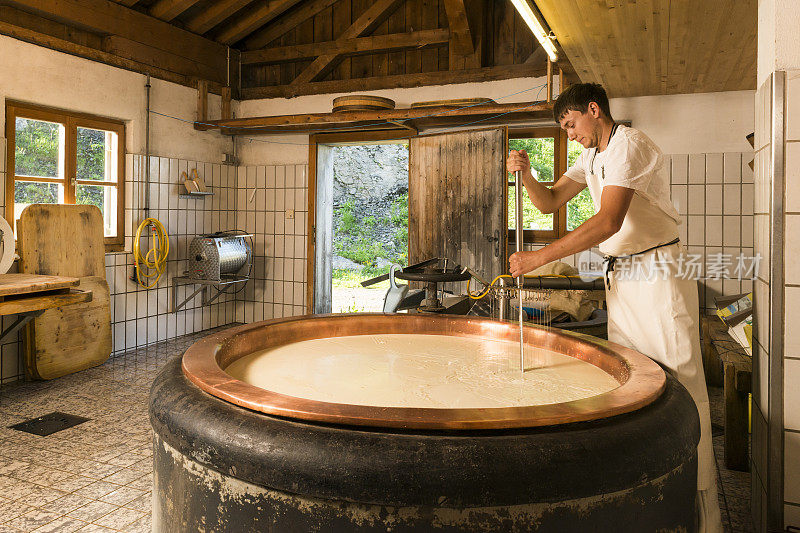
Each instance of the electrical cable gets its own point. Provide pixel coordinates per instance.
(155, 260)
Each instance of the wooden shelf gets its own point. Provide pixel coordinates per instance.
(408, 119)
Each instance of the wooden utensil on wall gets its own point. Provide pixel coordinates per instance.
(66, 240)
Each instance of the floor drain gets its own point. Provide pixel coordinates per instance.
(49, 424)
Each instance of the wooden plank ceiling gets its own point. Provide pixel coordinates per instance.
(269, 48)
(651, 47)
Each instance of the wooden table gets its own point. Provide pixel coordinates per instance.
(29, 295)
(737, 371)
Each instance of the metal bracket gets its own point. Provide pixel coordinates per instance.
(206, 285)
(19, 323)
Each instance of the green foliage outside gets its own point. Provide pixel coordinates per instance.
(356, 239)
(541, 154)
(37, 154)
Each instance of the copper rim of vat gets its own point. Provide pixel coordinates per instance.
(641, 380)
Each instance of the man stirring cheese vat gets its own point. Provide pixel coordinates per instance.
(652, 308)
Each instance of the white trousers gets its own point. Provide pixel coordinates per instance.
(659, 317)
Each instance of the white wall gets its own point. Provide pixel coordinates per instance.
(778, 36)
(37, 75)
(679, 124)
(692, 123)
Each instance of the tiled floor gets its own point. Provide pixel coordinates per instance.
(97, 476)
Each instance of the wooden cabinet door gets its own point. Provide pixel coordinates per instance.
(457, 208)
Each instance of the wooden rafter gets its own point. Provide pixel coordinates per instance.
(109, 18)
(360, 45)
(202, 22)
(111, 50)
(254, 20)
(128, 3)
(169, 9)
(366, 23)
(461, 36)
(277, 28)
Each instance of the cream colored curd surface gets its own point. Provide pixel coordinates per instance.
(429, 371)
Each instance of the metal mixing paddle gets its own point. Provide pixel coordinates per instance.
(518, 234)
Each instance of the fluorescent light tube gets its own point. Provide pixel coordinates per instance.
(526, 12)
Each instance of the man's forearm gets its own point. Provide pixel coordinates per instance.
(591, 233)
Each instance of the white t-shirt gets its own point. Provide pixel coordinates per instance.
(631, 160)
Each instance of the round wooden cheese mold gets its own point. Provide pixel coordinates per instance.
(361, 102)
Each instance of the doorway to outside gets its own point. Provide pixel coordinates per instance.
(368, 221)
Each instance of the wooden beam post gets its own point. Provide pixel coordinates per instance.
(368, 21)
(549, 80)
(561, 80)
(225, 111)
(202, 101)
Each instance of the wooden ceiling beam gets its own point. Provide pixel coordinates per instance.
(395, 81)
(277, 28)
(223, 9)
(360, 45)
(128, 3)
(112, 50)
(110, 18)
(461, 36)
(254, 20)
(365, 24)
(169, 9)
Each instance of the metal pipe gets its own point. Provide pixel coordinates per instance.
(147, 149)
(518, 234)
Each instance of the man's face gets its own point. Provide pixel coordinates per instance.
(583, 127)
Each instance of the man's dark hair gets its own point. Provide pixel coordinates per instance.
(578, 97)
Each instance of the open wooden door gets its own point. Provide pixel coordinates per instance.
(457, 184)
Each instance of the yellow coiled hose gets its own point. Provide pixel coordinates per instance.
(155, 260)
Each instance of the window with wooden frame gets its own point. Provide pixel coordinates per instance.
(60, 157)
(550, 153)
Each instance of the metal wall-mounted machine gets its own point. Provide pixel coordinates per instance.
(217, 261)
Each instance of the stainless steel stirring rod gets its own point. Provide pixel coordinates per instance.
(518, 234)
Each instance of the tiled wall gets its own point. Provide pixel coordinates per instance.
(140, 316)
(713, 193)
(272, 204)
(791, 362)
(776, 405)
(143, 316)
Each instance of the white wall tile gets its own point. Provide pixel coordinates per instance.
(713, 168)
(732, 167)
(792, 249)
(791, 465)
(695, 231)
(732, 199)
(791, 393)
(747, 172)
(696, 199)
(713, 199)
(747, 199)
(747, 231)
(679, 169)
(793, 106)
(731, 231)
(792, 327)
(713, 231)
(697, 168)
(793, 177)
